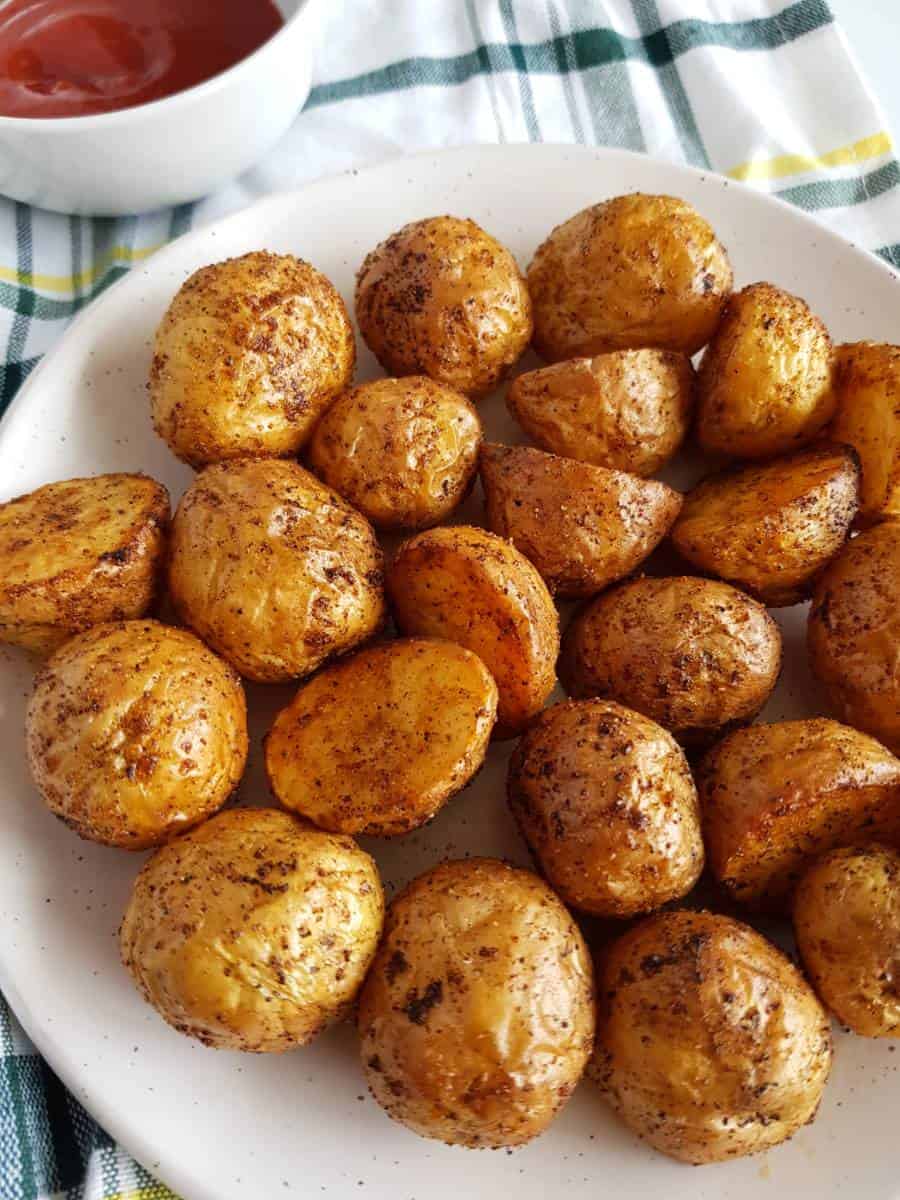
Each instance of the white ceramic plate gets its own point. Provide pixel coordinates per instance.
(217, 1126)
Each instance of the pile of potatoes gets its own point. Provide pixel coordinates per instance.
(478, 1003)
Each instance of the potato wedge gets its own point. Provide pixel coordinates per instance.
(867, 387)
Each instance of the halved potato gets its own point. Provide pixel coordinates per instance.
(867, 386)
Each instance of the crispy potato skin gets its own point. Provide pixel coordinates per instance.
(769, 528)
(854, 632)
(273, 569)
(765, 383)
(402, 451)
(377, 743)
(254, 931)
(629, 409)
(847, 926)
(135, 732)
(605, 799)
(473, 588)
(632, 272)
(442, 298)
(774, 797)
(477, 1018)
(867, 386)
(696, 655)
(248, 356)
(582, 526)
(78, 552)
(710, 1043)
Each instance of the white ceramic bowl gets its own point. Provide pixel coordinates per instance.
(168, 151)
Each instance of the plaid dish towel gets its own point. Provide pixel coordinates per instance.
(762, 91)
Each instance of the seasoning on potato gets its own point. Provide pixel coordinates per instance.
(477, 1018)
(248, 356)
(769, 528)
(440, 297)
(273, 569)
(78, 552)
(582, 526)
(402, 451)
(376, 744)
(254, 931)
(710, 1043)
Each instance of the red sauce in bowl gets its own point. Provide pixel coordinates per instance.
(68, 58)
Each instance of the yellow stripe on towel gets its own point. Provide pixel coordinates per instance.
(798, 164)
(67, 284)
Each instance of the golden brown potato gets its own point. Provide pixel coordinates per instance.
(847, 926)
(135, 732)
(254, 931)
(710, 1043)
(770, 528)
(774, 797)
(273, 569)
(605, 800)
(854, 632)
(477, 1019)
(402, 451)
(867, 386)
(582, 526)
(248, 356)
(472, 588)
(696, 655)
(376, 744)
(631, 272)
(629, 409)
(441, 297)
(765, 383)
(78, 552)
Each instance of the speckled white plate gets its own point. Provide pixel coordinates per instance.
(217, 1126)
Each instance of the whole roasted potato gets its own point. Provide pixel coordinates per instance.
(628, 409)
(867, 386)
(441, 297)
(78, 552)
(470, 587)
(710, 1043)
(273, 569)
(765, 383)
(582, 526)
(248, 356)
(847, 926)
(631, 272)
(696, 655)
(770, 528)
(477, 1018)
(774, 797)
(378, 742)
(402, 451)
(135, 732)
(605, 800)
(253, 931)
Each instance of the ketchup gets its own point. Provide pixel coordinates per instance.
(68, 58)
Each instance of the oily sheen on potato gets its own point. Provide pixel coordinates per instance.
(867, 388)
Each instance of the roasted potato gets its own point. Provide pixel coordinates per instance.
(377, 743)
(254, 931)
(477, 1019)
(867, 387)
(774, 797)
(631, 272)
(710, 1043)
(765, 383)
(847, 926)
(78, 552)
(441, 297)
(135, 732)
(402, 451)
(248, 356)
(475, 589)
(770, 528)
(628, 409)
(696, 655)
(273, 569)
(582, 526)
(605, 800)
